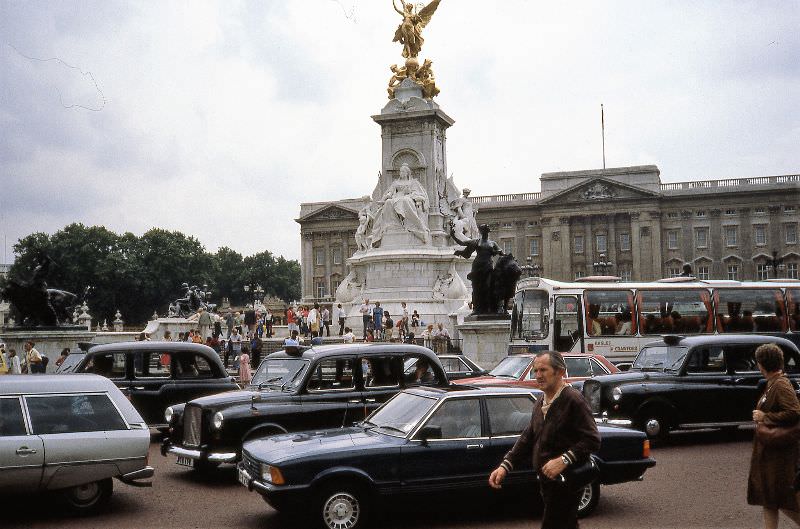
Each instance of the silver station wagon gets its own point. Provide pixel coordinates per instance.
(70, 434)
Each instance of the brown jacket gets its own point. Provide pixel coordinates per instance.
(568, 429)
(772, 470)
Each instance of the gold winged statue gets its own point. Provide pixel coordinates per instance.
(409, 33)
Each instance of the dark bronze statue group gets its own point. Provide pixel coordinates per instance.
(493, 283)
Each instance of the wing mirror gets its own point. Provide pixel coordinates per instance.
(429, 432)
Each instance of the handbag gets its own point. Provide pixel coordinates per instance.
(776, 435)
(576, 477)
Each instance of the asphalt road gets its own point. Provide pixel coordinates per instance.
(699, 482)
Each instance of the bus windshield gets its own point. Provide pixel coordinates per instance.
(530, 317)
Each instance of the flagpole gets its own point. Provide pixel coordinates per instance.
(603, 129)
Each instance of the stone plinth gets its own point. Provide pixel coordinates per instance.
(485, 341)
(49, 342)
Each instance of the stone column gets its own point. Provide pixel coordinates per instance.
(655, 245)
(637, 246)
(307, 271)
(567, 272)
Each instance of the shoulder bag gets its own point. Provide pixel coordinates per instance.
(576, 477)
(777, 436)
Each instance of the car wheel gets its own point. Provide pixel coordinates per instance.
(342, 506)
(89, 496)
(654, 424)
(589, 498)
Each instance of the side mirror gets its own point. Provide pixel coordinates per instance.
(429, 432)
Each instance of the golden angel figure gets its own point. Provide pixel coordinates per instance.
(409, 33)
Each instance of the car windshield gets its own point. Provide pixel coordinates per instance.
(510, 367)
(660, 358)
(400, 414)
(70, 363)
(279, 372)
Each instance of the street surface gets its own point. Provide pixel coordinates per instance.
(698, 482)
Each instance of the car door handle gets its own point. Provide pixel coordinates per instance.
(25, 451)
(138, 387)
(370, 400)
(354, 401)
(475, 447)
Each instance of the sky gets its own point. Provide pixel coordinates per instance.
(217, 119)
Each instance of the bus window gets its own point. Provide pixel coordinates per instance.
(608, 312)
(674, 311)
(529, 319)
(750, 310)
(793, 297)
(566, 323)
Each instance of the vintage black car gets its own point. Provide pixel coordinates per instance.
(694, 382)
(456, 367)
(296, 389)
(424, 440)
(155, 375)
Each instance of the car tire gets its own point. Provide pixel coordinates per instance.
(654, 424)
(341, 506)
(89, 496)
(589, 498)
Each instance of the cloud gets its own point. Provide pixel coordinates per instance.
(221, 117)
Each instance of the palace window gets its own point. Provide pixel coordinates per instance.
(791, 233)
(701, 237)
(733, 272)
(337, 256)
(730, 212)
(759, 211)
(625, 274)
(601, 242)
(577, 244)
(702, 273)
(534, 246)
(730, 235)
(335, 284)
(791, 271)
(760, 234)
(319, 257)
(625, 242)
(762, 272)
(700, 214)
(508, 246)
(320, 288)
(789, 210)
(579, 274)
(673, 272)
(672, 239)
(673, 215)
(508, 224)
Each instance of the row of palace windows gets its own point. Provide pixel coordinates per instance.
(336, 255)
(733, 272)
(578, 244)
(731, 212)
(730, 235)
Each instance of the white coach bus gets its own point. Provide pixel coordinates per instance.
(602, 315)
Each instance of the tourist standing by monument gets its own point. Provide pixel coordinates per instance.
(377, 320)
(366, 315)
(229, 322)
(14, 367)
(291, 321)
(33, 359)
(313, 320)
(204, 322)
(326, 321)
(339, 315)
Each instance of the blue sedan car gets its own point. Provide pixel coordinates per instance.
(423, 440)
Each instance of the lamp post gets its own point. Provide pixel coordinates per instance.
(776, 263)
(601, 266)
(531, 269)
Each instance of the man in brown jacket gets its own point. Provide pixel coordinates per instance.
(562, 433)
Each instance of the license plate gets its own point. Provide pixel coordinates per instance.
(186, 461)
(244, 478)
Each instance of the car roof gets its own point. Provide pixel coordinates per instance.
(40, 384)
(152, 346)
(367, 349)
(470, 391)
(713, 339)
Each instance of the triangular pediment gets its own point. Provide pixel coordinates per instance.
(599, 190)
(330, 212)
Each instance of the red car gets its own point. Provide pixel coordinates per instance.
(517, 370)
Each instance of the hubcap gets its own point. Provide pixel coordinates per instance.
(652, 427)
(341, 511)
(85, 493)
(586, 498)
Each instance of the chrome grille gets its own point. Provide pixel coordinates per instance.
(251, 465)
(192, 426)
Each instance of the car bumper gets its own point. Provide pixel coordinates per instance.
(135, 478)
(613, 472)
(281, 497)
(199, 455)
(613, 421)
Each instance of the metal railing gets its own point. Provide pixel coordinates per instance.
(731, 182)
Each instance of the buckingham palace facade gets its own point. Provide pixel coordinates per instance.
(580, 221)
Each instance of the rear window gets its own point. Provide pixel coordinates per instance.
(109, 365)
(73, 413)
(191, 366)
(151, 364)
(11, 422)
(509, 416)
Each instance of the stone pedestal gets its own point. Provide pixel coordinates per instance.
(49, 342)
(485, 341)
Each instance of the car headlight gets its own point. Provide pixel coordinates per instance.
(616, 393)
(216, 421)
(272, 474)
(168, 414)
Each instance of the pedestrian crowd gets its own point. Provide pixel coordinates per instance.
(31, 362)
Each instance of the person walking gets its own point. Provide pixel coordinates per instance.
(204, 322)
(377, 319)
(291, 321)
(14, 367)
(33, 359)
(562, 433)
(229, 323)
(314, 320)
(245, 373)
(772, 469)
